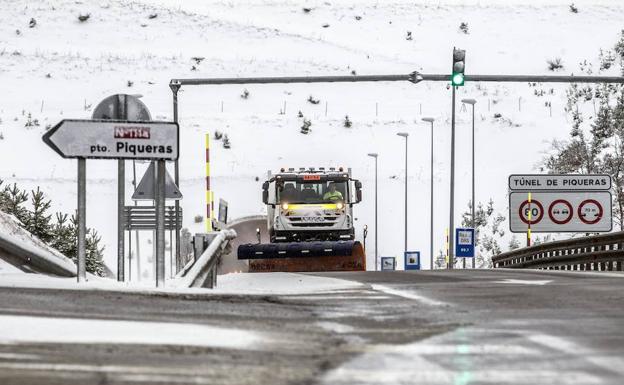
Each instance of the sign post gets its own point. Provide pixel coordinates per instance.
(160, 223)
(82, 219)
(109, 139)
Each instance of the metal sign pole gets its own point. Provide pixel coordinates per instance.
(121, 113)
(474, 204)
(160, 223)
(121, 172)
(82, 219)
(451, 262)
(137, 246)
(174, 88)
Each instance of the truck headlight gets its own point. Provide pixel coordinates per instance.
(340, 205)
(284, 206)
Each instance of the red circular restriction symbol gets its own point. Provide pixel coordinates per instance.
(535, 217)
(590, 211)
(560, 211)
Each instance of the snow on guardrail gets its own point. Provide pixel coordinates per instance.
(203, 272)
(27, 252)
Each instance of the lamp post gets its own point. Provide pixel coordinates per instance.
(405, 135)
(375, 155)
(472, 102)
(431, 120)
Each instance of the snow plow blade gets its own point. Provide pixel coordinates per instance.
(304, 256)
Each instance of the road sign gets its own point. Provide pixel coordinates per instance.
(464, 242)
(145, 189)
(122, 107)
(74, 138)
(560, 182)
(223, 211)
(412, 260)
(388, 263)
(551, 212)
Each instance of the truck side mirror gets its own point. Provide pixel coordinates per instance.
(265, 192)
(358, 191)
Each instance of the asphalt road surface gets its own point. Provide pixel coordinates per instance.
(459, 327)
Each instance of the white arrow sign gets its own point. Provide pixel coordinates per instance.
(111, 139)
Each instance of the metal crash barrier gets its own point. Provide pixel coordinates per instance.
(598, 253)
(208, 249)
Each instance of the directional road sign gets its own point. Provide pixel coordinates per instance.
(464, 242)
(73, 138)
(554, 211)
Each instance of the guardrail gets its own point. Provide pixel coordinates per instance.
(598, 253)
(28, 253)
(202, 271)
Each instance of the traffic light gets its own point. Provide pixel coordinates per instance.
(459, 66)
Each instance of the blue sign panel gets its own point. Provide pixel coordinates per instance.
(412, 260)
(464, 243)
(388, 263)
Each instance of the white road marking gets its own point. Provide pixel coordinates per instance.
(18, 356)
(336, 327)
(611, 363)
(525, 282)
(148, 374)
(338, 297)
(408, 295)
(512, 357)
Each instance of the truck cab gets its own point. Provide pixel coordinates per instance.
(311, 204)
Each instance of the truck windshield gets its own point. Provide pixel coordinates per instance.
(312, 192)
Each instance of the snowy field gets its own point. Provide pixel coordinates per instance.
(61, 68)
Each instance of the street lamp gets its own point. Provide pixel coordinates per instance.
(431, 120)
(472, 102)
(375, 155)
(405, 135)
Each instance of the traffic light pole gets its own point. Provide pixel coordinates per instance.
(451, 262)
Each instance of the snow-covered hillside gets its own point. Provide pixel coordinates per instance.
(62, 67)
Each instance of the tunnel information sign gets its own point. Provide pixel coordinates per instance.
(97, 139)
(559, 182)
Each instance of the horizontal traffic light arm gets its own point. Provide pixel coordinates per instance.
(413, 77)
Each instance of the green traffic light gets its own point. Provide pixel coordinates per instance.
(457, 79)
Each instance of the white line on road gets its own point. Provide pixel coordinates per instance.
(613, 364)
(147, 374)
(525, 282)
(408, 295)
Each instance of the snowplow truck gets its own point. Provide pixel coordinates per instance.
(310, 223)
